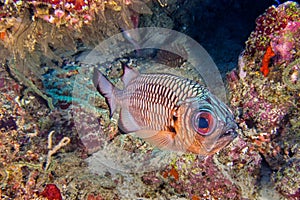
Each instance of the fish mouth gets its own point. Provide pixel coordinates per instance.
(223, 141)
(230, 133)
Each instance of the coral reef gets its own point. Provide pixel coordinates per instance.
(271, 24)
(30, 168)
(241, 165)
(44, 87)
(287, 179)
(267, 105)
(19, 159)
(73, 92)
(43, 33)
(201, 178)
(76, 13)
(187, 171)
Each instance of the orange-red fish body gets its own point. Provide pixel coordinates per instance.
(168, 111)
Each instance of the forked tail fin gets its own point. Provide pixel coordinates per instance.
(106, 89)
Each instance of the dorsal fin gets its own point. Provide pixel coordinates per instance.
(128, 74)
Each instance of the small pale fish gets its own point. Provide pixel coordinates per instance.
(168, 111)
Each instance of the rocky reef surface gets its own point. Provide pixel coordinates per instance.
(48, 104)
(265, 93)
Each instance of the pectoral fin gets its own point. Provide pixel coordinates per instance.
(161, 139)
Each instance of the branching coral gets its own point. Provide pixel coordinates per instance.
(53, 150)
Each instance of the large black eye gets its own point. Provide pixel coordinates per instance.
(204, 122)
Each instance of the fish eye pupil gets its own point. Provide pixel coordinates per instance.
(203, 122)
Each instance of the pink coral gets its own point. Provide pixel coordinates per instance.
(280, 28)
(204, 180)
(51, 192)
(286, 42)
(267, 108)
(216, 178)
(270, 24)
(266, 114)
(78, 12)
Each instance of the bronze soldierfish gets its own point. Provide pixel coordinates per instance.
(168, 111)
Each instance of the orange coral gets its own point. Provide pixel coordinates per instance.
(195, 197)
(266, 60)
(172, 172)
(2, 35)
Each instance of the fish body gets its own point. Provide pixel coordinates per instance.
(168, 111)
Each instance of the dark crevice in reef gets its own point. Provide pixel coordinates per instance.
(266, 186)
(220, 26)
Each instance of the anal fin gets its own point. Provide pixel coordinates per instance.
(127, 122)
